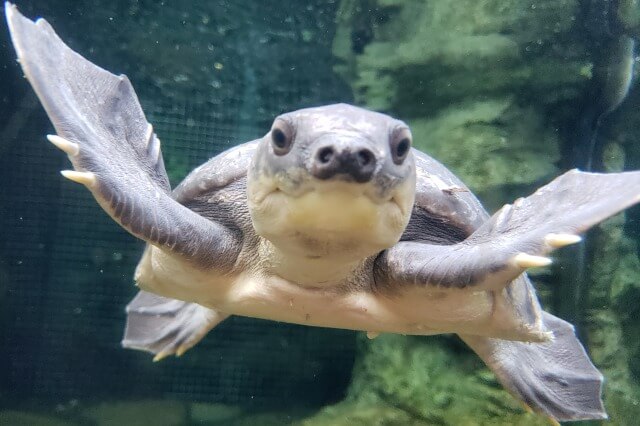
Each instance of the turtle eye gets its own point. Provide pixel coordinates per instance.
(281, 137)
(400, 145)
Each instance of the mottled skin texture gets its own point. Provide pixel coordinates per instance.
(329, 220)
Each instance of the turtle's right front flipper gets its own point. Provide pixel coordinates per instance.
(517, 237)
(113, 148)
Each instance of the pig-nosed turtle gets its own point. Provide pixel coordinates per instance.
(331, 219)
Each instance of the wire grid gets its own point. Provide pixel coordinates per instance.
(70, 267)
(69, 288)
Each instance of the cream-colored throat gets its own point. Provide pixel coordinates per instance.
(335, 224)
(310, 271)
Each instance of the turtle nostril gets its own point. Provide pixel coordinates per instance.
(353, 163)
(362, 165)
(325, 155)
(364, 157)
(326, 162)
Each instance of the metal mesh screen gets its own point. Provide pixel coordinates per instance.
(66, 268)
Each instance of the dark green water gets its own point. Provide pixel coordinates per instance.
(507, 94)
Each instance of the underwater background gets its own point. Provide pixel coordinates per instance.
(506, 93)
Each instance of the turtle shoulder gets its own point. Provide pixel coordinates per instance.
(445, 210)
(217, 189)
(217, 173)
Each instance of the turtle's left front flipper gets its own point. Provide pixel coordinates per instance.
(517, 237)
(114, 151)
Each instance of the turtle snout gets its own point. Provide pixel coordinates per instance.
(356, 162)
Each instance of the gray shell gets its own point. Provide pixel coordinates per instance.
(445, 212)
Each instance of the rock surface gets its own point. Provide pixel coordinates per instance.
(493, 89)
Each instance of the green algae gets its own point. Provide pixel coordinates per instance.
(477, 81)
(423, 381)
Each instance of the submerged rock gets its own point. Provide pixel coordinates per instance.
(491, 145)
(612, 327)
(475, 79)
(423, 381)
(21, 418)
(491, 89)
(416, 57)
(138, 413)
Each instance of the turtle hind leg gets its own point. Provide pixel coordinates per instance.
(554, 378)
(166, 326)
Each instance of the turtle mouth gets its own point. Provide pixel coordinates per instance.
(318, 221)
(342, 196)
(330, 218)
(373, 194)
(296, 183)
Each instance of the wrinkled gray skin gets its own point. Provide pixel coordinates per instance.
(219, 253)
(341, 132)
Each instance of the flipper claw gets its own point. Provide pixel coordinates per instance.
(85, 178)
(372, 334)
(161, 355)
(553, 422)
(560, 240)
(70, 148)
(182, 349)
(179, 351)
(525, 261)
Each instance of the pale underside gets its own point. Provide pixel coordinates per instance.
(412, 311)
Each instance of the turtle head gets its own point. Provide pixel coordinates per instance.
(333, 182)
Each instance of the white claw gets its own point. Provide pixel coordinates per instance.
(70, 148)
(524, 261)
(182, 349)
(85, 178)
(147, 134)
(372, 334)
(161, 355)
(517, 203)
(561, 240)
